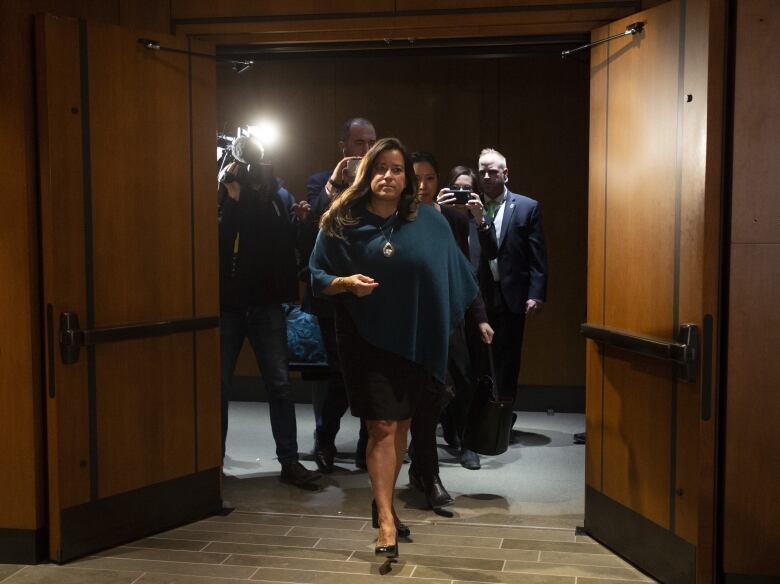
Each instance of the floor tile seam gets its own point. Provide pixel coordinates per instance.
(144, 560)
(409, 522)
(141, 575)
(541, 573)
(13, 573)
(470, 547)
(194, 526)
(475, 557)
(301, 557)
(253, 543)
(458, 557)
(575, 565)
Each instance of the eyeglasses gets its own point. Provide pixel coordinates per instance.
(491, 172)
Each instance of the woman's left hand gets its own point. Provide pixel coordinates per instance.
(486, 332)
(476, 208)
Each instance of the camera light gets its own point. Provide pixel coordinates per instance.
(266, 132)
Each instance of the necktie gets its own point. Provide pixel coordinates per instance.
(491, 207)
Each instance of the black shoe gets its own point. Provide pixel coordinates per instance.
(401, 530)
(294, 473)
(579, 438)
(435, 493)
(469, 459)
(324, 456)
(389, 550)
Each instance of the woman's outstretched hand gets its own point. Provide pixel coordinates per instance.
(357, 284)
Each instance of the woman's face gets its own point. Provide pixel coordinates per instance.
(388, 179)
(464, 182)
(427, 181)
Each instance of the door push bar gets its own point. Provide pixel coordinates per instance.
(684, 352)
(72, 338)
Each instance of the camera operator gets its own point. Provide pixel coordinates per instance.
(257, 239)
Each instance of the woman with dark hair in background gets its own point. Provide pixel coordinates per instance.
(381, 257)
(456, 414)
(459, 374)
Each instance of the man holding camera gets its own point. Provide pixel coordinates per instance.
(257, 239)
(357, 137)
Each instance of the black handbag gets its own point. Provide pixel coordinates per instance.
(490, 416)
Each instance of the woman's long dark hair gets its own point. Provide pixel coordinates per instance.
(340, 213)
(463, 171)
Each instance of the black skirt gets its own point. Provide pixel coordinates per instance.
(380, 385)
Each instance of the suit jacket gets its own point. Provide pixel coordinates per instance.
(522, 255)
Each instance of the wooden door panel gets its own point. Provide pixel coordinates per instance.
(119, 225)
(139, 126)
(634, 285)
(62, 217)
(145, 412)
(637, 434)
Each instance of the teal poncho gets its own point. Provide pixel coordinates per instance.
(424, 288)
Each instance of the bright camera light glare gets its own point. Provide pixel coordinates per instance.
(267, 132)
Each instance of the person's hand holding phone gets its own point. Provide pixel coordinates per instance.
(476, 208)
(453, 196)
(343, 175)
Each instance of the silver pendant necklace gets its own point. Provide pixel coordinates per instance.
(387, 249)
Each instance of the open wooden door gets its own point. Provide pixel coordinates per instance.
(130, 261)
(652, 295)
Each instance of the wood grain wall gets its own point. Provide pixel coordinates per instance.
(532, 108)
(21, 418)
(752, 459)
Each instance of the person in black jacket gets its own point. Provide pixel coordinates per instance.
(257, 240)
(357, 137)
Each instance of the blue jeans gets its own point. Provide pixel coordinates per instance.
(266, 328)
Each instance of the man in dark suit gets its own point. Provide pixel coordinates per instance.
(514, 285)
(356, 138)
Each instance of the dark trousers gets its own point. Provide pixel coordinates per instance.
(425, 457)
(507, 344)
(266, 328)
(460, 376)
(332, 404)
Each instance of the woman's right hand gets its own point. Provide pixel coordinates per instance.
(358, 284)
(445, 197)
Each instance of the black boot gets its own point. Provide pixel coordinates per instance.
(435, 493)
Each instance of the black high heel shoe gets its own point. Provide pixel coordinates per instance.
(400, 529)
(389, 550)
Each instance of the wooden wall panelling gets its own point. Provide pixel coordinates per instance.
(402, 27)
(201, 9)
(752, 463)
(640, 232)
(190, 9)
(203, 121)
(20, 353)
(597, 160)
(751, 511)
(145, 15)
(544, 135)
(756, 204)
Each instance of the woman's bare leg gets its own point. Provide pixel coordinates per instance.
(383, 465)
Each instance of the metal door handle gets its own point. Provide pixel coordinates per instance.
(72, 338)
(684, 352)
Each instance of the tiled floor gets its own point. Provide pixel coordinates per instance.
(323, 550)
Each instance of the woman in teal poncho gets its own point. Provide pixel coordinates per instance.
(400, 285)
